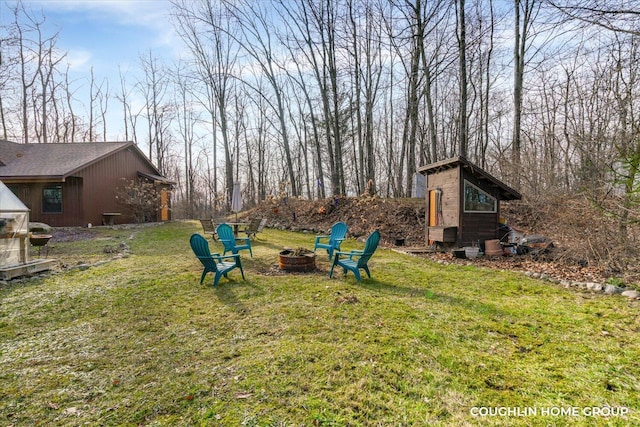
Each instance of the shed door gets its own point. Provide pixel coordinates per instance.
(164, 205)
(435, 208)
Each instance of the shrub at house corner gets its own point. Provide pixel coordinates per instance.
(138, 198)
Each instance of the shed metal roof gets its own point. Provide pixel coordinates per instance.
(506, 192)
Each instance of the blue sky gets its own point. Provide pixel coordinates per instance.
(107, 33)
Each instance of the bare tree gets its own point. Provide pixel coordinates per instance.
(316, 25)
(299, 23)
(615, 16)
(461, 35)
(32, 55)
(255, 39)
(103, 106)
(5, 72)
(187, 118)
(207, 32)
(525, 12)
(366, 40)
(159, 110)
(94, 91)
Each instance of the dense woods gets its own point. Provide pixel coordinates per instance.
(313, 98)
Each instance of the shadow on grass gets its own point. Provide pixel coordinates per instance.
(232, 291)
(21, 283)
(425, 293)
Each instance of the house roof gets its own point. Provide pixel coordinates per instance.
(55, 161)
(506, 192)
(156, 178)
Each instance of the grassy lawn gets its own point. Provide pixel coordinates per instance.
(137, 341)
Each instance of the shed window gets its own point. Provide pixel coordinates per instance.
(477, 200)
(52, 199)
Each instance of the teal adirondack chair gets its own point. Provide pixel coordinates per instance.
(349, 263)
(232, 243)
(333, 241)
(213, 263)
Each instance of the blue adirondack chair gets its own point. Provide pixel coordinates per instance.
(355, 260)
(213, 263)
(232, 243)
(333, 241)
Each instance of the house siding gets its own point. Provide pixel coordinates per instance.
(90, 191)
(102, 180)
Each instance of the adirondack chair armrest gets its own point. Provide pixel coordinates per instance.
(318, 238)
(245, 240)
(221, 257)
(349, 254)
(215, 257)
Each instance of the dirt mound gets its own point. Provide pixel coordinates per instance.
(394, 218)
(586, 241)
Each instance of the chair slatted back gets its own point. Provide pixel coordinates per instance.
(369, 248)
(338, 232)
(207, 225)
(200, 248)
(225, 232)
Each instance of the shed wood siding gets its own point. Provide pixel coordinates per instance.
(478, 227)
(449, 175)
(448, 181)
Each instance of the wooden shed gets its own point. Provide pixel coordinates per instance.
(463, 203)
(76, 184)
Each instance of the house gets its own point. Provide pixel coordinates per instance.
(463, 203)
(75, 184)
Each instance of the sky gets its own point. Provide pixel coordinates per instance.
(107, 35)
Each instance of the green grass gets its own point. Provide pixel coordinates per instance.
(137, 341)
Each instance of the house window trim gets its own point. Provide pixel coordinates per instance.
(464, 199)
(57, 212)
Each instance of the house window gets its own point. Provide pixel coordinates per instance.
(477, 200)
(52, 199)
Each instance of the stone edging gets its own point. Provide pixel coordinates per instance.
(606, 289)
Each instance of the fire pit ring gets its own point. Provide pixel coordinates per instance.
(297, 260)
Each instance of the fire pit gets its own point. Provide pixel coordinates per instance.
(300, 259)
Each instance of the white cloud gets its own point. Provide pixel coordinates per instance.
(129, 12)
(79, 60)
(149, 16)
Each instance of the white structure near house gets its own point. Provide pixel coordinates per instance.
(14, 238)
